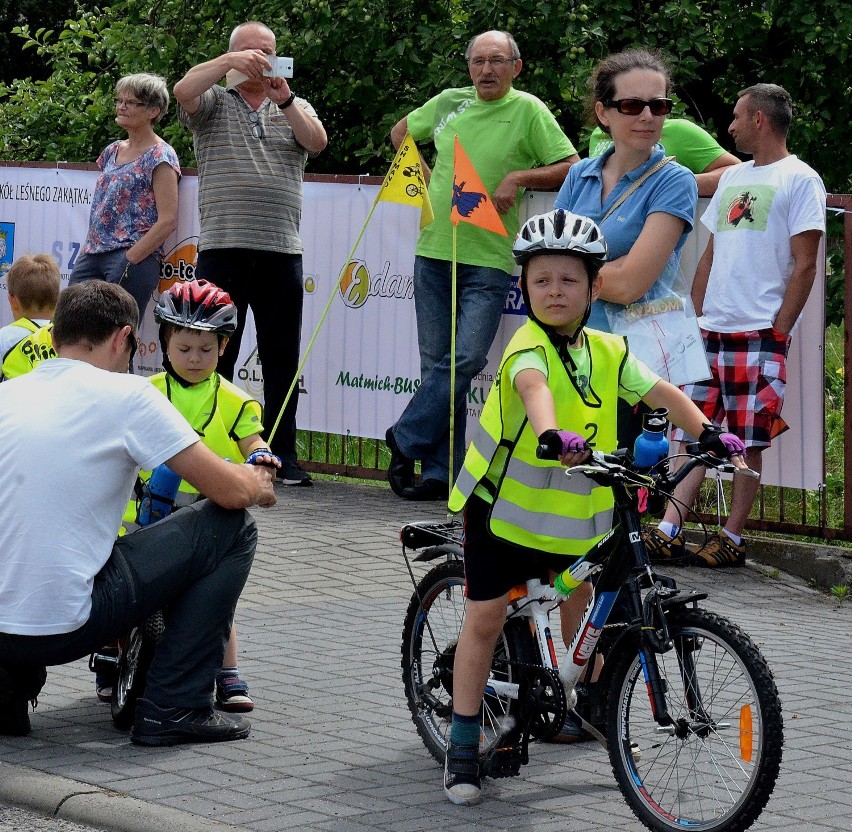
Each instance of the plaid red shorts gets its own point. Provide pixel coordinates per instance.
(749, 376)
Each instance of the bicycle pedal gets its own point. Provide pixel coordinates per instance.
(502, 762)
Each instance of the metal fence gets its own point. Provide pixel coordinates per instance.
(781, 510)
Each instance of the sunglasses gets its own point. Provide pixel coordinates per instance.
(256, 126)
(634, 106)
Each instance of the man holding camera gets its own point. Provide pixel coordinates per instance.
(252, 139)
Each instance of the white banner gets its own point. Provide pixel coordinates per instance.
(364, 365)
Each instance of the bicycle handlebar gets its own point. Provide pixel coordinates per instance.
(608, 469)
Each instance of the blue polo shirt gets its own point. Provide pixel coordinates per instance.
(672, 190)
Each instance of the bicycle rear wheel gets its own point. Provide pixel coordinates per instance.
(136, 654)
(716, 767)
(430, 634)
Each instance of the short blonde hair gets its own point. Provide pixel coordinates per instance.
(34, 280)
(151, 90)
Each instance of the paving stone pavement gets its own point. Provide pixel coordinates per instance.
(332, 745)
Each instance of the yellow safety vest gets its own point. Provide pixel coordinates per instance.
(535, 505)
(32, 349)
(213, 410)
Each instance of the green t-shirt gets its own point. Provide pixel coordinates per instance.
(516, 132)
(691, 145)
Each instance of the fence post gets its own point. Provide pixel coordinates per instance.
(844, 201)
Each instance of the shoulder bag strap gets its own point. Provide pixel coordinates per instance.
(648, 173)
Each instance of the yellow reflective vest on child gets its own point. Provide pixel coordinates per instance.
(533, 503)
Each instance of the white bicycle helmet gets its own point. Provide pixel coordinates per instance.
(561, 232)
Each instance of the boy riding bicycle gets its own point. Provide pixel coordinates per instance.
(558, 385)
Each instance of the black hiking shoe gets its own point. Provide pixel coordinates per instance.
(20, 686)
(154, 725)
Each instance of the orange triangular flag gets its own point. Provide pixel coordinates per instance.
(471, 202)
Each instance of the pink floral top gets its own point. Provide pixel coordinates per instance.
(123, 206)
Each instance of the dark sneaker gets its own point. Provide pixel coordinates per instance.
(232, 694)
(720, 551)
(462, 784)
(154, 725)
(291, 473)
(571, 732)
(105, 665)
(661, 547)
(20, 686)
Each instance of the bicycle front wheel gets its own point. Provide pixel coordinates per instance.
(715, 767)
(430, 635)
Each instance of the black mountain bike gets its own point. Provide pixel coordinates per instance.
(685, 704)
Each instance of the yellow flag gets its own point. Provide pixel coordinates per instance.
(405, 183)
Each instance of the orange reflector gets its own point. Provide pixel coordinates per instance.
(746, 734)
(517, 592)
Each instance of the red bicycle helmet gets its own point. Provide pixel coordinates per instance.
(197, 304)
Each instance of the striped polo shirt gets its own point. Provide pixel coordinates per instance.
(250, 186)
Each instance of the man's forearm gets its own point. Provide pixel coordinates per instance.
(199, 79)
(545, 178)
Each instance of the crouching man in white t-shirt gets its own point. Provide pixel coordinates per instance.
(76, 430)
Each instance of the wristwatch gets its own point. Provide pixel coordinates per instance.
(288, 102)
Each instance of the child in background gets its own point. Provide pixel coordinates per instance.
(558, 385)
(33, 289)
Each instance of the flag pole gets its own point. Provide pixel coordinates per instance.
(453, 290)
(322, 319)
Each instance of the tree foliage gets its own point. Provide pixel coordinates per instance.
(365, 63)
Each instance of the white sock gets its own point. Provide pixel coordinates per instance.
(737, 539)
(669, 528)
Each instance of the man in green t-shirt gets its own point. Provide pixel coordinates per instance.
(513, 142)
(691, 145)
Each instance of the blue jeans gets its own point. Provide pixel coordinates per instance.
(271, 284)
(422, 432)
(140, 280)
(193, 566)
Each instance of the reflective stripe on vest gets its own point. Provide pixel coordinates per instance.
(536, 504)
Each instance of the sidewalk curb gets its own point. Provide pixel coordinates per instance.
(59, 797)
(821, 565)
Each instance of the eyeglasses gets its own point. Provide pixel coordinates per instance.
(129, 102)
(256, 126)
(497, 61)
(634, 106)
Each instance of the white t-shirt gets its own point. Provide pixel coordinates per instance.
(73, 440)
(753, 214)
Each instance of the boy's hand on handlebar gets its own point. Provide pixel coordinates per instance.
(568, 447)
(725, 445)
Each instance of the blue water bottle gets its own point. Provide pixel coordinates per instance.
(159, 495)
(652, 445)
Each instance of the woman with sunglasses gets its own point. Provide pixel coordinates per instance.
(646, 231)
(135, 204)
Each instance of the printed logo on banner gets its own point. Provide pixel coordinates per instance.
(250, 375)
(179, 264)
(515, 299)
(7, 246)
(357, 284)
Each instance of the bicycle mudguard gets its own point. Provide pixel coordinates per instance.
(453, 550)
(427, 533)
